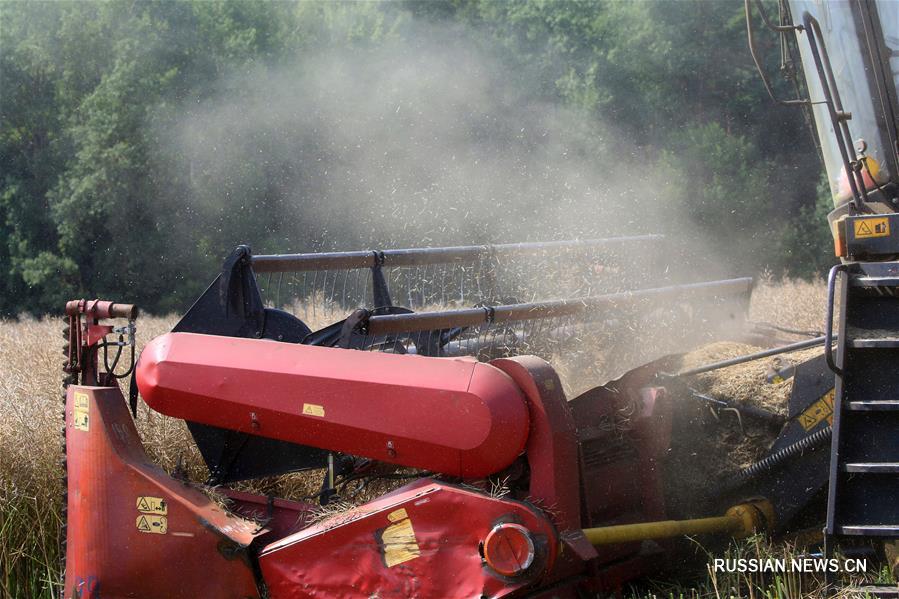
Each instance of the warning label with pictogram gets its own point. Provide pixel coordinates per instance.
(81, 412)
(152, 505)
(872, 227)
(818, 411)
(152, 524)
(311, 409)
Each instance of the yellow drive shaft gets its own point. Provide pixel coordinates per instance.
(739, 521)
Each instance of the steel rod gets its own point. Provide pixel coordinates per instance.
(467, 317)
(783, 349)
(420, 256)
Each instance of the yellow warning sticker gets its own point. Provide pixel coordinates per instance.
(397, 515)
(148, 523)
(818, 411)
(398, 540)
(81, 412)
(311, 409)
(152, 505)
(872, 227)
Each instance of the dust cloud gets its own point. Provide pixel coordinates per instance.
(432, 141)
(424, 142)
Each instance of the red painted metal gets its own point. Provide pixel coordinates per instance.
(623, 433)
(82, 337)
(176, 544)
(281, 516)
(423, 540)
(552, 455)
(454, 416)
(101, 309)
(570, 465)
(552, 439)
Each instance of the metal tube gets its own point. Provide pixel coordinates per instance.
(628, 533)
(427, 321)
(750, 357)
(741, 520)
(422, 256)
(750, 36)
(101, 309)
(828, 325)
(813, 29)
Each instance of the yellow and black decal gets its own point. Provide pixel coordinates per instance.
(152, 512)
(81, 412)
(871, 227)
(817, 412)
(398, 540)
(869, 235)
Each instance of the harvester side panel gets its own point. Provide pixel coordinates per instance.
(132, 530)
(424, 540)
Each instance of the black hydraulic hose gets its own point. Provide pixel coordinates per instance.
(772, 26)
(750, 36)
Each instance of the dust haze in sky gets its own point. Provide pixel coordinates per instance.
(425, 142)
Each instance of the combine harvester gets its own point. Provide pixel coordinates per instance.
(849, 52)
(444, 394)
(430, 374)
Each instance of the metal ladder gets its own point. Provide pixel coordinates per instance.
(863, 497)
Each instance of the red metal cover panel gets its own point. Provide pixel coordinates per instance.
(132, 530)
(420, 541)
(449, 415)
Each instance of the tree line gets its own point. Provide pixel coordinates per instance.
(96, 201)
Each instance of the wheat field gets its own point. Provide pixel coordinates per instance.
(31, 423)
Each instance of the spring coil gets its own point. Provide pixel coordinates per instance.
(779, 456)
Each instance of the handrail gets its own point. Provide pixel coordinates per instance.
(828, 325)
(838, 116)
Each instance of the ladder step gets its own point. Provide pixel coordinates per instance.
(872, 467)
(878, 591)
(874, 405)
(873, 343)
(869, 530)
(874, 281)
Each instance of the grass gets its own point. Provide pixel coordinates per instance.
(707, 583)
(31, 408)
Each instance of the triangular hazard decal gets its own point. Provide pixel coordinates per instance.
(143, 525)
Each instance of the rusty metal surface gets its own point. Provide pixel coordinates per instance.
(426, 256)
(468, 317)
(101, 309)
